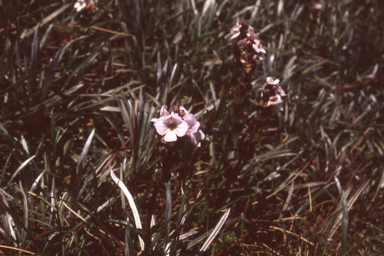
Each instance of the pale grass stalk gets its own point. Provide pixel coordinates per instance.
(214, 232)
(131, 202)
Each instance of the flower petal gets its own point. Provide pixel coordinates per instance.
(181, 129)
(154, 119)
(164, 111)
(242, 43)
(227, 36)
(269, 80)
(162, 125)
(235, 35)
(183, 109)
(195, 127)
(200, 135)
(170, 136)
(275, 100)
(176, 118)
(192, 137)
(190, 119)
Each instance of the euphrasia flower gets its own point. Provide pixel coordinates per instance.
(170, 126)
(179, 123)
(80, 5)
(193, 132)
(251, 43)
(271, 94)
(85, 4)
(318, 8)
(247, 46)
(240, 29)
(163, 112)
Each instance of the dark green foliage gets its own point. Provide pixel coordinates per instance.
(78, 91)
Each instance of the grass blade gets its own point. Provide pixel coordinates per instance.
(351, 201)
(214, 232)
(84, 153)
(131, 202)
(20, 168)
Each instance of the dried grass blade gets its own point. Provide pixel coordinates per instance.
(128, 247)
(20, 168)
(25, 214)
(47, 19)
(55, 13)
(289, 196)
(6, 217)
(168, 208)
(351, 201)
(131, 202)
(86, 147)
(16, 249)
(36, 181)
(281, 188)
(45, 36)
(345, 223)
(214, 232)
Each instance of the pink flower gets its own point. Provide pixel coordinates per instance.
(275, 100)
(240, 28)
(188, 117)
(170, 126)
(193, 132)
(251, 42)
(318, 8)
(257, 58)
(271, 94)
(80, 5)
(196, 137)
(275, 86)
(163, 112)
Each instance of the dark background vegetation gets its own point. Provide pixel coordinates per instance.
(78, 90)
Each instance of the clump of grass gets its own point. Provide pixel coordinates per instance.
(79, 90)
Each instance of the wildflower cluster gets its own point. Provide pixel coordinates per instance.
(84, 4)
(248, 49)
(247, 45)
(271, 94)
(178, 123)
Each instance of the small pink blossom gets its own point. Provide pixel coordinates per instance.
(271, 94)
(276, 87)
(80, 5)
(163, 112)
(193, 132)
(196, 137)
(189, 118)
(240, 28)
(179, 123)
(251, 43)
(257, 58)
(275, 100)
(171, 127)
(318, 8)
